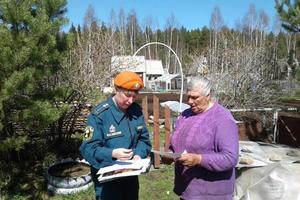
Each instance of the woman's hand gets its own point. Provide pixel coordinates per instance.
(190, 159)
(122, 154)
(167, 160)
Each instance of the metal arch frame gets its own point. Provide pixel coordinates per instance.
(182, 80)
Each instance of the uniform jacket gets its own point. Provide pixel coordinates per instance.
(111, 129)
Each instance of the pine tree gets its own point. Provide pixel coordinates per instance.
(289, 12)
(32, 49)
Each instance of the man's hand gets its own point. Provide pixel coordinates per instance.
(190, 159)
(122, 154)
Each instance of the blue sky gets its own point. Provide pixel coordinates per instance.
(188, 13)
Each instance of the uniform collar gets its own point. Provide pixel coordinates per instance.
(115, 111)
(119, 114)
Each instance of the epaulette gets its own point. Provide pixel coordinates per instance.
(100, 109)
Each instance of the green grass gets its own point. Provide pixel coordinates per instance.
(22, 180)
(157, 184)
(85, 195)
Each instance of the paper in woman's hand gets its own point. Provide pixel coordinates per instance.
(167, 154)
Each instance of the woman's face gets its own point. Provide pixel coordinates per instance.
(198, 102)
(124, 98)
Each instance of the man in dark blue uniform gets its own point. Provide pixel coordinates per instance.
(116, 130)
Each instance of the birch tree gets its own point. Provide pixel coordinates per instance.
(263, 23)
(90, 18)
(170, 25)
(290, 17)
(216, 23)
(87, 68)
(250, 26)
(132, 26)
(122, 28)
(148, 33)
(112, 26)
(244, 86)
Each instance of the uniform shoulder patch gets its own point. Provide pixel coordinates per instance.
(100, 109)
(88, 133)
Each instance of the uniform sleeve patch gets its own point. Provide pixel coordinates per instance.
(88, 132)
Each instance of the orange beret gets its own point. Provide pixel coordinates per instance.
(129, 80)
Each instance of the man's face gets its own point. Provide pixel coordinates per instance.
(124, 98)
(198, 102)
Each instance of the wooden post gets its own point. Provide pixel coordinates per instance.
(167, 127)
(156, 130)
(145, 109)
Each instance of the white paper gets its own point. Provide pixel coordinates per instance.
(135, 167)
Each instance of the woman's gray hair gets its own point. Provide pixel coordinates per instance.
(200, 84)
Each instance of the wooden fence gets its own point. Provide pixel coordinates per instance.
(251, 129)
(288, 132)
(72, 121)
(156, 126)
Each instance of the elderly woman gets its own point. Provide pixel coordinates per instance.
(207, 137)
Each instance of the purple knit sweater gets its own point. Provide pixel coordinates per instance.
(214, 135)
